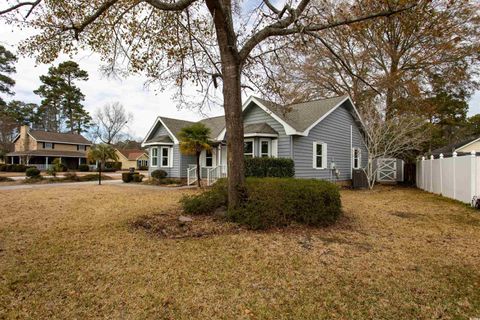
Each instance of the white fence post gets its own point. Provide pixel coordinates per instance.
(441, 173)
(473, 175)
(431, 173)
(454, 156)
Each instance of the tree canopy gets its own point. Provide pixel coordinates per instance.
(7, 67)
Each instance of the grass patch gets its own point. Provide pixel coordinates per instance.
(99, 252)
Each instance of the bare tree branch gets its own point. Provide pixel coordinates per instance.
(33, 4)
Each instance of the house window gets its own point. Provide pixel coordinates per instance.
(248, 148)
(265, 148)
(208, 158)
(154, 157)
(357, 158)
(81, 147)
(319, 155)
(48, 145)
(165, 161)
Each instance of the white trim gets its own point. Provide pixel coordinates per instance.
(157, 144)
(464, 146)
(315, 156)
(253, 147)
(169, 165)
(175, 140)
(153, 157)
(267, 135)
(269, 153)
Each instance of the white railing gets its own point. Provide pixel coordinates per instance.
(41, 167)
(215, 173)
(191, 174)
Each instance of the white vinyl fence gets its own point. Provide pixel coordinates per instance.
(455, 177)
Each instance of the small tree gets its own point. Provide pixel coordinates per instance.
(193, 140)
(102, 153)
(392, 137)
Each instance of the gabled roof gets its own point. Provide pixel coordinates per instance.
(162, 138)
(449, 149)
(301, 116)
(297, 119)
(132, 154)
(263, 128)
(47, 136)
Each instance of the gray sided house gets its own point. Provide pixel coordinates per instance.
(323, 137)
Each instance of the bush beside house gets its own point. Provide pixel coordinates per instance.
(32, 173)
(83, 167)
(13, 167)
(273, 202)
(269, 167)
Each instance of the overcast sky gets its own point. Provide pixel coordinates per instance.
(145, 104)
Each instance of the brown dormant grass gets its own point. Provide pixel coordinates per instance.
(77, 252)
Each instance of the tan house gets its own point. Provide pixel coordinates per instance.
(132, 158)
(461, 148)
(40, 148)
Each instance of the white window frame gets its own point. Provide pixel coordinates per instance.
(359, 158)
(154, 157)
(269, 152)
(253, 147)
(162, 156)
(324, 155)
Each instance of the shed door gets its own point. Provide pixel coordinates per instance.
(387, 170)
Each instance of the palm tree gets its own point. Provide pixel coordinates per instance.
(102, 153)
(193, 140)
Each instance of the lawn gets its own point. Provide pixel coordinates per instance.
(84, 252)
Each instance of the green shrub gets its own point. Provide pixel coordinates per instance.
(93, 177)
(83, 167)
(32, 172)
(269, 167)
(113, 165)
(14, 167)
(71, 176)
(127, 177)
(136, 177)
(273, 202)
(208, 201)
(159, 174)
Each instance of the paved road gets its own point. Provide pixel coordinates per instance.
(60, 184)
(92, 183)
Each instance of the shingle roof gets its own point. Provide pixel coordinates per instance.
(175, 125)
(301, 116)
(72, 138)
(216, 125)
(132, 154)
(259, 128)
(49, 153)
(163, 138)
(449, 149)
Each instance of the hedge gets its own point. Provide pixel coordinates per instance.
(83, 167)
(273, 202)
(159, 174)
(13, 167)
(32, 172)
(269, 167)
(113, 165)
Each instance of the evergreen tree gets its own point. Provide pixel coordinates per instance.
(6, 68)
(61, 105)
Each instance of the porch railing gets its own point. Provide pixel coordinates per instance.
(215, 173)
(191, 174)
(41, 167)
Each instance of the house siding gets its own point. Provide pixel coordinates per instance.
(334, 130)
(255, 114)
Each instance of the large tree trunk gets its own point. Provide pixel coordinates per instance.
(232, 97)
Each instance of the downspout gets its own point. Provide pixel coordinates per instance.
(351, 152)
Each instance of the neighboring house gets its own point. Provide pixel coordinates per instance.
(40, 148)
(132, 158)
(323, 137)
(461, 148)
